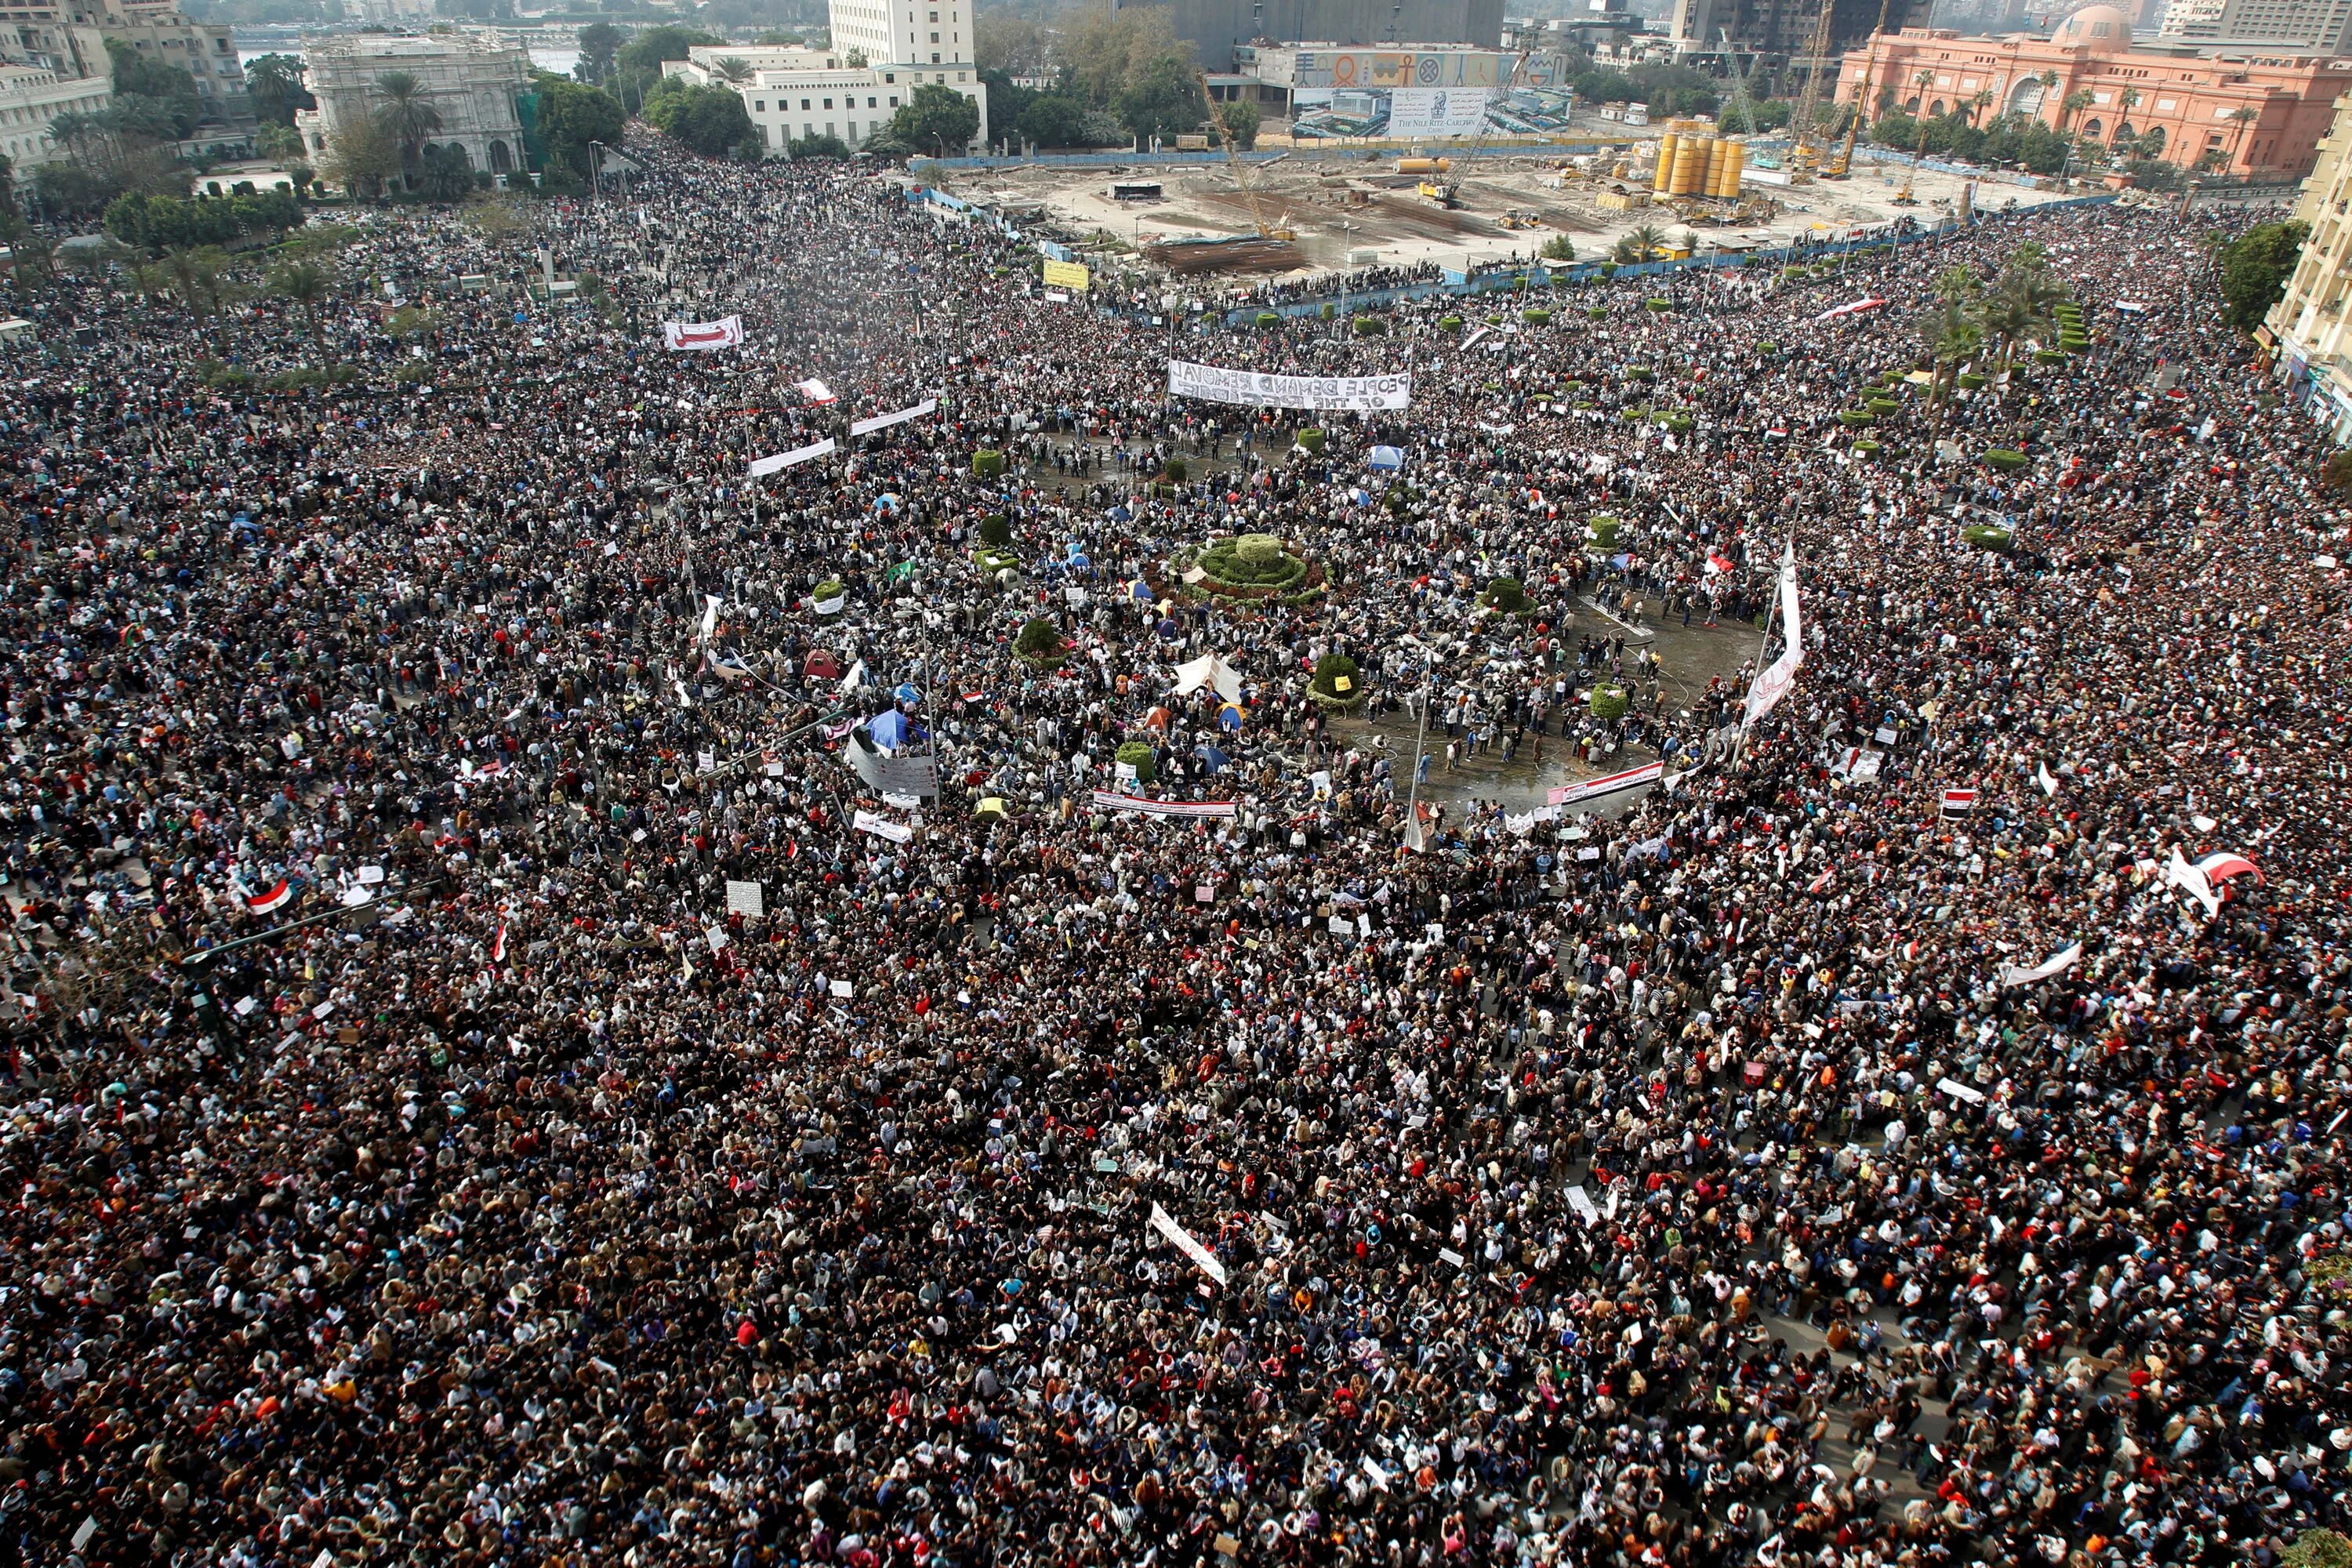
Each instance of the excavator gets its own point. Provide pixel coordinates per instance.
(1281, 231)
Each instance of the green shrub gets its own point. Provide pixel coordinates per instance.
(2005, 460)
(1175, 471)
(1268, 319)
(996, 528)
(1310, 440)
(1506, 594)
(1040, 642)
(2317, 1549)
(824, 592)
(1602, 530)
(1865, 447)
(1857, 416)
(1969, 381)
(991, 559)
(1252, 561)
(2048, 356)
(1336, 683)
(1596, 312)
(1987, 538)
(1330, 310)
(1608, 702)
(1882, 406)
(1659, 305)
(1640, 372)
(1139, 756)
(1370, 327)
(1768, 348)
(987, 463)
(1449, 323)
(1535, 317)
(1608, 269)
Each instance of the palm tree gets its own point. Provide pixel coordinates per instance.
(2021, 302)
(734, 70)
(191, 277)
(2049, 80)
(304, 284)
(1979, 104)
(407, 114)
(2244, 118)
(1642, 243)
(1952, 336)
(35, 259)
(1957, 285)
(2074, 103)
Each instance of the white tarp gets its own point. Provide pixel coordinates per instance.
(1202, 1258)
(884, 421)
(1209, 670)
(694, 337)
(1260, 390)
(1110, 800)
(1415, 112)
(762, 466)
(881, 828)
(1773, 681)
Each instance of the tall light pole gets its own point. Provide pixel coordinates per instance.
(1419, 735)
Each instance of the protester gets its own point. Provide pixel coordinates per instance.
(493, 1083)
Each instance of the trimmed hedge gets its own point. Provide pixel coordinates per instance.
(987, 463)
(1268, 319)
(1535, 317)
(1337, 682)
(1865, 446)
(1506, 594)
(1882, 406)
(1371, 327)
(991, 559)
(1987, 538)
(1602, 530)
(1608, 702)
(1970, 381)
(1449, 323)
(996, 530)
(1310, 440)
(1252, 561)
(1659, 305)
(1139, 756)
(1856, 416)
(1040, 643)
(2005, 459)
(1596, 312)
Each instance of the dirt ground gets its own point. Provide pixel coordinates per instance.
(1345, 201)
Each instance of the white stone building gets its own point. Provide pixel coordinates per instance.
(794, 93)
(472, 81)
(31, 97)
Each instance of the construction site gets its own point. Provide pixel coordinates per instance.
(1322, 210)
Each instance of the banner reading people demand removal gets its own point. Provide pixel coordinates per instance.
(1213, 384)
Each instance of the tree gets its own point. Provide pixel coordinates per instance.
(2255, 270)
(274, 83)
(1017, 46)
(2020, 303)
(1052, 119)
(2244, 118)
(854, 60)
(1979, 104)
(598, 43)
(638, 65)
(734, 70)
(2070, 105)
(937, 118)
(818, 146)
(405, 113)
(1104, 51)
(711, 121)
(303, 285)
(280, 143)
(1164, 99)
(1558, 247)
(1953, 336)
(1639, 245)
(360, 158)
(443, 173)
(571, 115)
(195, 275)
(149, 87)
(1240, 119)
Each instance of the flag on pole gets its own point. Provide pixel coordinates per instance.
(262, 904)
(1959, 802)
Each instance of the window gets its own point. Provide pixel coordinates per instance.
(894, 101)
(828, 103)
(759, 106)
(935, 39)
(870, 100)
(804, 103)
(935, 59)
(889, 76)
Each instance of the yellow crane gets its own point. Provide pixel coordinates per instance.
(1241, 171)
(1804, 151)
(1842, 164)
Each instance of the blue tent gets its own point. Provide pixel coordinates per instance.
(893, 728)
(1388, 457)
(908, 694)
(1215, 758)
(1138, 589)
(1229, 716)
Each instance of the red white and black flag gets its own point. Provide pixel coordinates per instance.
(1959, 802)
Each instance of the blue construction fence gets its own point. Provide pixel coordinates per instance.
(1506, 281)
(1115, 158)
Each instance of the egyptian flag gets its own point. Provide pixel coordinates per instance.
(2220, 866)
(812, 389)
(1959, 802)
(277, 897)
(499, 947)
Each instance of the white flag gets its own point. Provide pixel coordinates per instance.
(1202, 1258)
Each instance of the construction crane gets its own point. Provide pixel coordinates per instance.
(1447, 191)
(1842, 164)
(1742, 104)
(1804, 154)
(1241, 171)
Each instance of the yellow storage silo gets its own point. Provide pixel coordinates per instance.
(1735, 163)
(1690, 165)
(1665, 182)
(1714, 173)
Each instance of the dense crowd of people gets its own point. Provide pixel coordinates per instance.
(492, 1080)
